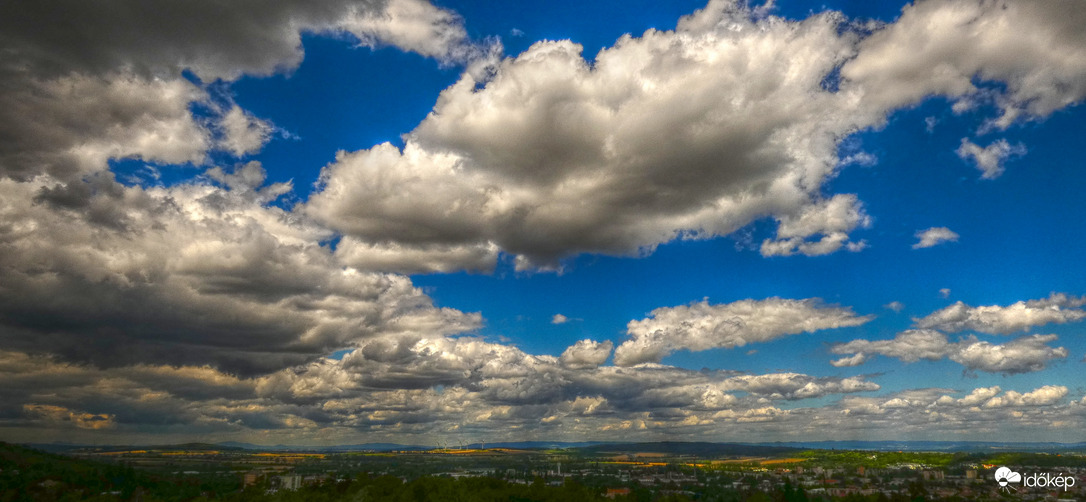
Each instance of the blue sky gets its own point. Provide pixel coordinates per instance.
(395, 222)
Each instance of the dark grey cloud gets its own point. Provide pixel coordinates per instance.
(215, 40)
(71, 125)
(85, 82)
(188, 275)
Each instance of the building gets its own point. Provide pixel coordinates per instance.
(290, 482)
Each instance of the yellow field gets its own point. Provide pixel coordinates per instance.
(291, 456)
(782, 461)
(743, 460)
(635, 463)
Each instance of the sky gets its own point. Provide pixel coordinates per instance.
(346, 221)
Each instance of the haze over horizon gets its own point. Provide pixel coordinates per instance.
(354, 221)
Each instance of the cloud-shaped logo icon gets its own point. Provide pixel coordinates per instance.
(1005, 476)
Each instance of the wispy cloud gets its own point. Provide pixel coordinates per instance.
(990, 159)
(935, 236)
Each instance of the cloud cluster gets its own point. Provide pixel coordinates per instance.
(691, 133)
(957, 48)
(701, 326)
(71, 125)
(978, 413)
(928, 340)
(429, 388)
(60, 415)
(833, 219)
(214, 40)
(1058, 308)
(732, 117)
(200, 273)
(191, 274)
(71, 99)
(1021, 355)
(203, 308)
(1043, 396)
(398, 385)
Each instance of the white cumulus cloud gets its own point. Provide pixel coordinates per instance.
(996, 319)
(586, 354)
(683, 134)
(948, 47)
(1021, 355)
(702, 326)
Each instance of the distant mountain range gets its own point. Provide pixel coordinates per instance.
(946, 446)
(676, 447)
(521, 445)
(700, 449)
(336, 448)
(535, 445)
